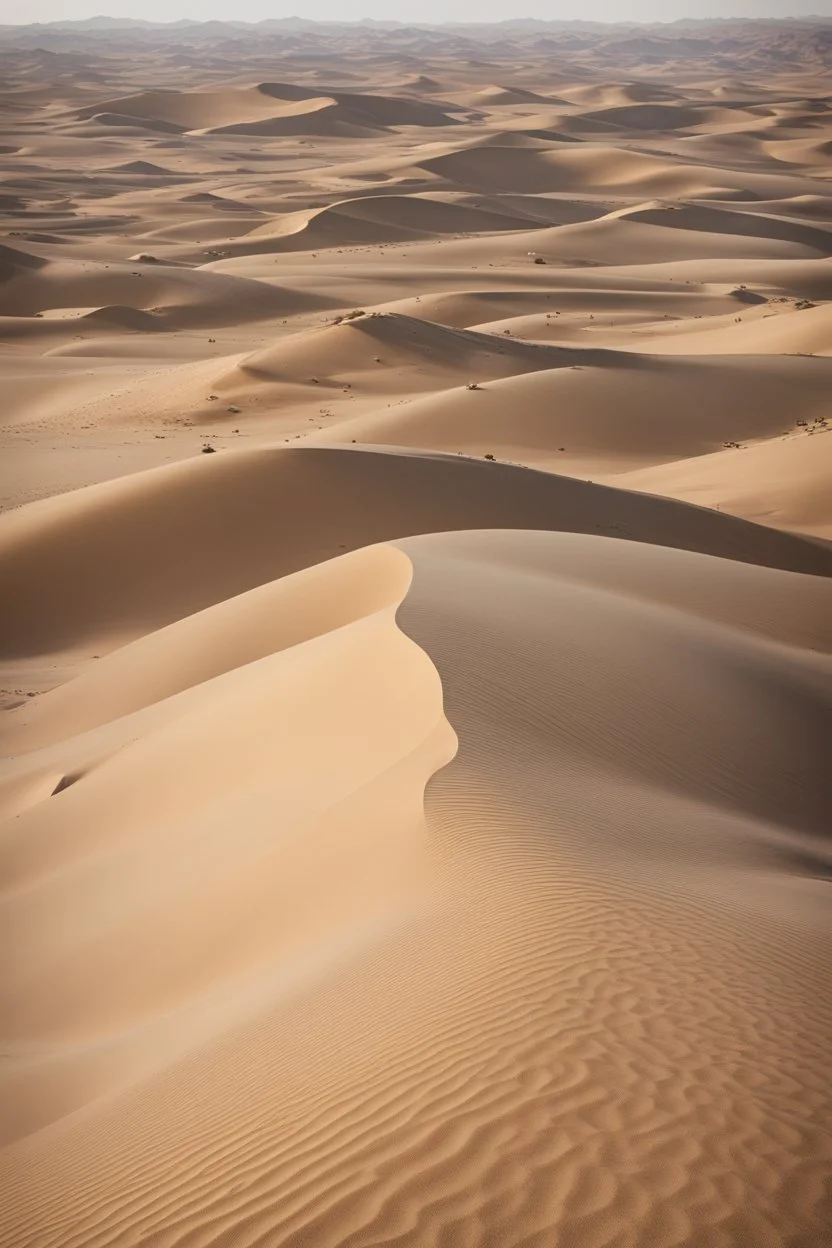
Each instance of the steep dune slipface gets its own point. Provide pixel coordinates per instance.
(416, 664)
(279, 711)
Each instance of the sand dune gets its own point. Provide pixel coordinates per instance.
(716, 221)
(640, 240)
(652, 116)
(324, 116)
(788, 331)
(154, 124)
(416, 663)
(802, 152)
(99, 547)
(176, 296)
(599, 169)
(384, 109)
(372, 219)
(336, 352)
(141, 166)
(621, 95)
(268, 108)
(782, 481)
(189, 110)
(495, 95)
(16, 262)
(599, 416)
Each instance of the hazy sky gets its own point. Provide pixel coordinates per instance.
(408, 10)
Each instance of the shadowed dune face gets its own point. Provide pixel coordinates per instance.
(416, 657)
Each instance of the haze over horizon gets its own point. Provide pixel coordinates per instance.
(421, 12)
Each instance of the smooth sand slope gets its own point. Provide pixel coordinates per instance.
(416, 655)
(611, 410)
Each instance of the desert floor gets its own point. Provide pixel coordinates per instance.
(416, 639)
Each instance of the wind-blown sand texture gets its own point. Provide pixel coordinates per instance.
(414, 816)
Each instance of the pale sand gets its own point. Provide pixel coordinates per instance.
(401, 847)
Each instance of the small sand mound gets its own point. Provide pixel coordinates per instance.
(145, 167)
(493, 96)
(123, 318)
(422, 83)
(153, 124)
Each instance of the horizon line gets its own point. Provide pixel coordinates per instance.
(416, 25)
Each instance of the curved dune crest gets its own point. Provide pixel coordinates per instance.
(176, 295)
(267, 108)
(648, 116)
(264, 725)
(145, 167)
(126, 120)
(698, 217)
(607, 412)
(191, 109)
(226, 636)
(805, 331)
(598, 168)
(13, 262)
(372, 219)
(386, 110)
(621, 95)
(782, 481)
(323, 116)
(353, 347)
(108, 563)
(497, 94)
